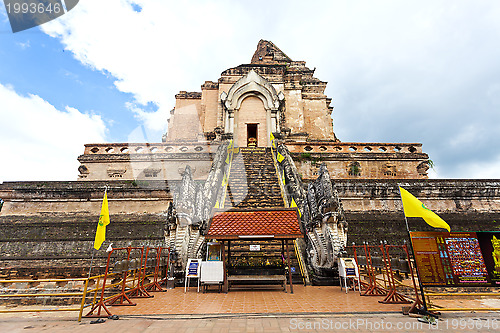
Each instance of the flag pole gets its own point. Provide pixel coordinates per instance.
(91, 261)
(424, 304)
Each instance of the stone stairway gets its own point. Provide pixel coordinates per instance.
(253, 182)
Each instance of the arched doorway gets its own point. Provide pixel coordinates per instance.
(251, 123)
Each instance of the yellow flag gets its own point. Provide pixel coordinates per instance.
(217, 204)
(293, 204)
(100, 234)
(415, 208)
(272, 140)
(280, 157)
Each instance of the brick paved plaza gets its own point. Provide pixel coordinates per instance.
(309, 309)
(304, 299)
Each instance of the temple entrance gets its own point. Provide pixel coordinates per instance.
(251, 123)
(252, 135)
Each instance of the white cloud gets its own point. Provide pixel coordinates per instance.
(47, 140)
(147, 52)
(469, 134)
(155, 122)
(25, 45)
(482, 170)
(3, 14)
(154, 54)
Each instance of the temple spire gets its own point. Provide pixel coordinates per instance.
(268, 53)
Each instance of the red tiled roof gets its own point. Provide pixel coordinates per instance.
(280, 223)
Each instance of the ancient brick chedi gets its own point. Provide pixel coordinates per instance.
(273, 101)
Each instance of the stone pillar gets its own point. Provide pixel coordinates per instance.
(231, 124)
(277, 121)
(226, 123)
(269, 127)
(274, 122)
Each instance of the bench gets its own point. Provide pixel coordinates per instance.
(257, 278)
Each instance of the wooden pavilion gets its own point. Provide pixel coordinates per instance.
(259, 225)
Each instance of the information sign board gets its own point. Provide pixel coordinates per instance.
(193, 269)
(457, 258)
(254, 247)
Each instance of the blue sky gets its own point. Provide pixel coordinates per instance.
(35, 63)
(425, 71)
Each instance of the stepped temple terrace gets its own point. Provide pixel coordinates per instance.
(251, 178)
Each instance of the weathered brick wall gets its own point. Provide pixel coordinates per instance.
(44, 244)
(48, 228)
(184, 124)
(372, 169)
(360, 160)
(125, 197)
(145, 161)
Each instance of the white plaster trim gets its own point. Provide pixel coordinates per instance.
(252, 84)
